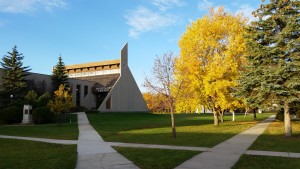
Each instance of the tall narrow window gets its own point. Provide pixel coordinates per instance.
(108, 103)
(86, 90)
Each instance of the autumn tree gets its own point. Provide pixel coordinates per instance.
(272, 75)
(162, 82)
(156, 102)
(14, 83)
(211, 54)
(62, 101)
(59, 75)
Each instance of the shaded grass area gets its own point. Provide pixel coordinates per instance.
(273, 138)
(35, 155)
(53, 131)
(192, 129)
(146, 158)
(263, 162)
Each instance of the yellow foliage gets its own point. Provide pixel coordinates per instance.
(62, 100)
(211, 57)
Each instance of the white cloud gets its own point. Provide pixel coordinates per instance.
(247, 11)
(144, 20)
(27, 6)
(204, 5)
(164, 5)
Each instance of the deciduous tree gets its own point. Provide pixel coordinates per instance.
(162, 82)
(156, 102)
(62, 101)
(272, 75)
(211, 55)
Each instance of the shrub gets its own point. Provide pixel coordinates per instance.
(42, 115)
(92, 111)
(10, 115)
(280, 115)
(31, 97)
(43, 100)
(298, 114)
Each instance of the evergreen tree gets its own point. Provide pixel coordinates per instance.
(14, 83)
(59, 76)
(272, 75)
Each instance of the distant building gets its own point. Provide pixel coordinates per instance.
(108, 86)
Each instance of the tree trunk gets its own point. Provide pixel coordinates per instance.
(216, 119)
(173, 124)
(287, 120)
(222, 117)
(254, 113)
(233, 116)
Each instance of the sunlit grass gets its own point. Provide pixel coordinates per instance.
(192, 129)
(273, 138)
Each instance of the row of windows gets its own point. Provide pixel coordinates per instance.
(101, 72)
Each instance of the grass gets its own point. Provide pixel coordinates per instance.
(35, 155)
(156, 158)
(273, 138)
(53, 131)
(266, 162)
(192, 129)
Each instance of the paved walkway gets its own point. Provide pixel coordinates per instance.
(41, 139)
(227, 153)
(94, 153)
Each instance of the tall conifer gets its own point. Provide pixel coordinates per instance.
(272, 75)
(14, 83)
(59, 75)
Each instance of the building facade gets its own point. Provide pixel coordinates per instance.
(107, 86)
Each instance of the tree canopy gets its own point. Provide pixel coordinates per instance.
(59, 75)
(14, 83)
(272, 74)
(211, 57)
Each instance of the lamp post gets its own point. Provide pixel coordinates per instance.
(11, 98)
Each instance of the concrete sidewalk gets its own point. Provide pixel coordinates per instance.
(94, 153)
(227, 153)
(45, 140)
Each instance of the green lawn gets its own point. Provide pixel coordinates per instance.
(54, 131)
(192, 129)
(266, 162)
(273, 138)
(20, 154)
(146, 158)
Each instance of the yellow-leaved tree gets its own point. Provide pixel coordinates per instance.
(62, 101)
(211, 57)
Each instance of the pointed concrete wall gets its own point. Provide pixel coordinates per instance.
(125, 95)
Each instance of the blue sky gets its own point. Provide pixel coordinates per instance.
(95, 30)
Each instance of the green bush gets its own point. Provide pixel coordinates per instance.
(10, 115)
(31, 98)
(280, 115)
(43, 100)
(42, 115)
(92, 111)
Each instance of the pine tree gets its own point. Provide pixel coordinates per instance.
(14, 83)
(272, 75)
(59, 76)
